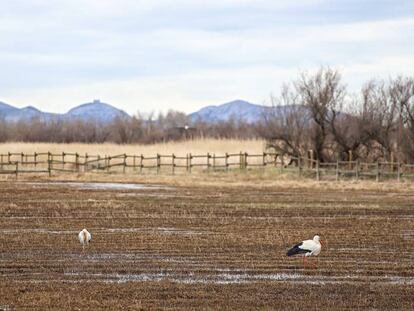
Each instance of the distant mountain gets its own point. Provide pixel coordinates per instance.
(94, 111)
(7, 111)
(237, 109)
(13, 114)
(98, 111)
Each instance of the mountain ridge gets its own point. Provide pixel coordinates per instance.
(237, 109)
(92, 111)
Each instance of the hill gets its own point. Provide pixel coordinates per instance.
(237, 109)
(93, 111)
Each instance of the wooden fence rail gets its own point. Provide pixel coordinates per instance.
(48, 163)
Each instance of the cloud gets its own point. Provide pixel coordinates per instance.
(183, 54)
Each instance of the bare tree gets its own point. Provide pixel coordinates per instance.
(402, 95)
(321, 93)
(285, 126)
(380, 114)
(347, 129)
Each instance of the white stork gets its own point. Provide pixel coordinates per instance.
(306, 248)
(84, 238)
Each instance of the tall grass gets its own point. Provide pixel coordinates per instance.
(199, 146)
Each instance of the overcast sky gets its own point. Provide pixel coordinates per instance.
(185, 54)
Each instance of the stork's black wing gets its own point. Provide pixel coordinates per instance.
(296, 250)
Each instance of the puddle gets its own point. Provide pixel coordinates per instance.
(190, 278)
(98, 185)
(210, 276)
(125, 230)
(159, 229)
(179, 231)
(158, 194)
(402, 280)
(12, 231)
(103, 231)
(233, 278)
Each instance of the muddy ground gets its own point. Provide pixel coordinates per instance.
(204, 247)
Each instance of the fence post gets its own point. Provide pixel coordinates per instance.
(125, 163)
(377, 172)
(299, 168)
(108, 167)
(158, 163)
(8, 157)
(85, 164)
(317, 170)
(63, 160)
(398, 171)
(310, 152)
(34, 158)
(226, 161)
(337, 170)
(22, 158)
(173, 163)
(357, 169)
(49, 163)
(245, 160)
(141, 164)
(189, 162)
(208, 162)
(77, 162)
(17, 169)
(1, 165)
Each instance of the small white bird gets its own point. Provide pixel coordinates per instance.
(84, 238)
(306, 248)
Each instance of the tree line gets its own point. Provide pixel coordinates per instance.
(376, 124)
(145, 129)
(314, 113)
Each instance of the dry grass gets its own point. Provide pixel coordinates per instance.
(255, 178)
(200, 146)
(198, 246)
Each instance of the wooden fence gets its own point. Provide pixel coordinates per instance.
(49, 163)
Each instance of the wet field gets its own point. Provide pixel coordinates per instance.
(166, 247)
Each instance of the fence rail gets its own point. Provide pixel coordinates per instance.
(48, 163)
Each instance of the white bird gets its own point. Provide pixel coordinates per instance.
(306, 248)
(84, 238)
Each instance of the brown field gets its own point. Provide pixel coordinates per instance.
(194, 245)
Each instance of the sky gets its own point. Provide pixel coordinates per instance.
(147, 55)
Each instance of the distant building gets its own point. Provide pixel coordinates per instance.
(182, 132)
